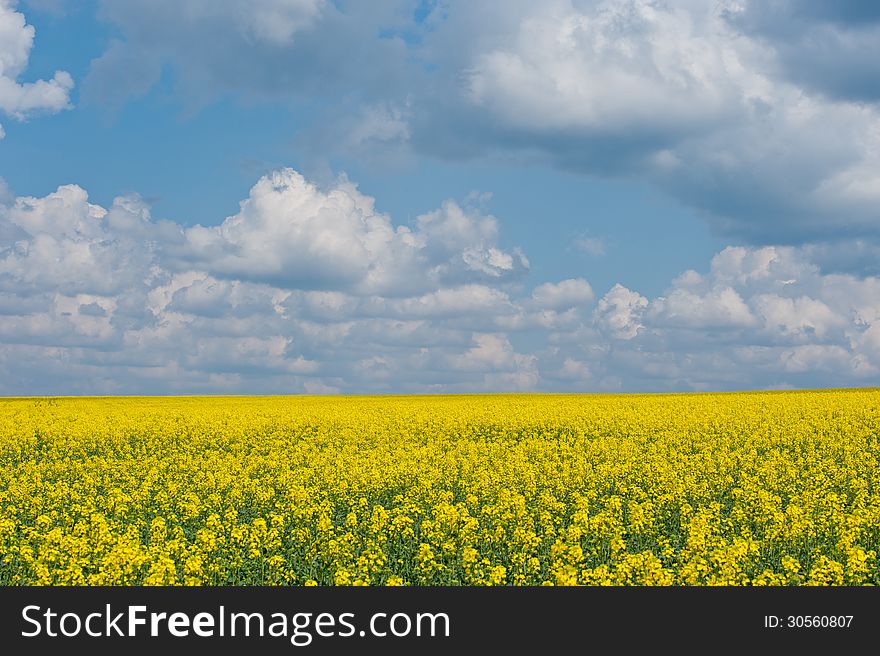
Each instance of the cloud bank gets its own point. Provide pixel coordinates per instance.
(698, 99)
(312, 290)
(764, 116)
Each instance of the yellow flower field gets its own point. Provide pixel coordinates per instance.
(778, 488)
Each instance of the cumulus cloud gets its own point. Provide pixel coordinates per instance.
(620, 312)
(719, 308)
(763, 317)
(312, 290)
(562, 295)
(764, 116)
(22, 100)
(62, 243)
(291, 234)
(684, 95)
(618, 69)
(574, 370)
(293, 290)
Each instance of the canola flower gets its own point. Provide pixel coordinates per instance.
(778, 488)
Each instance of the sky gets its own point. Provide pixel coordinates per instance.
(444, 196)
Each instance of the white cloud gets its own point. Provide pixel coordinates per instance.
(502, 367)
(574, 370)
(377, 124)
(620, 68)
(620, 312)
(721, 307)
(803, 317)
(105, 300)
(293, 290)
(293, 235)
(763, 317)
(63, 243)
(682, 94)
(290, 233)
(711, 102)
(468, 301)
(21, 100)
(817, 358)
(562, 295)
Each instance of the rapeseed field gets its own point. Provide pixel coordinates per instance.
(778, 488)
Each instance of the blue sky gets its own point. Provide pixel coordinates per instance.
(314, 196)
